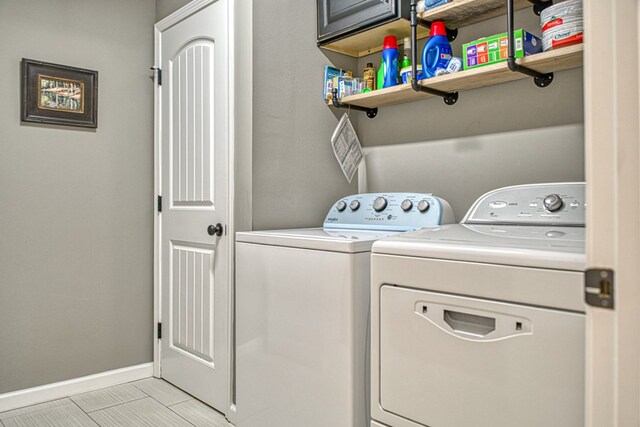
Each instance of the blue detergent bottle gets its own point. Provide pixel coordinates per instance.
(388, 74)
(437, 51)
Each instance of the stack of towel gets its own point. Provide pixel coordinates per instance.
(430, 4)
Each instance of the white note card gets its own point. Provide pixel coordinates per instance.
(346, 147)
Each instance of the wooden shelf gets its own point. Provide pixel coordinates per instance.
(546, 62)
(460, 13)
(370, 41)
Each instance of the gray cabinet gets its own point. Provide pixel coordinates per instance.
(341, 18)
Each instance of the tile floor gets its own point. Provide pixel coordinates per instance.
(150, 403)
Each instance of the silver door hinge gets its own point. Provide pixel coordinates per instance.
(598, 287)
(158, 72)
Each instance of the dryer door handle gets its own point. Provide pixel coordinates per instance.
(471, 324)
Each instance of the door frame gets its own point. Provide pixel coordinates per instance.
(612, 132)
(166, 23)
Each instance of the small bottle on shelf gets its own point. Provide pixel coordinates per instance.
(369, 76)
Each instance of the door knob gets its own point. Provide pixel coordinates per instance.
(217, 230)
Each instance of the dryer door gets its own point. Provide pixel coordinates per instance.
(455, 361)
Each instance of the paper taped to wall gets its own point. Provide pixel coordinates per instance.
(346, 147)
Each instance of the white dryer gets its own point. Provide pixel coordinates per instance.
(302, 301)
(482, 323)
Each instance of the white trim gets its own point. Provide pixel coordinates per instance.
(230, 228)
(183, 13)
(241, 66)
(157, 191)
(612, 159)
(31, 396)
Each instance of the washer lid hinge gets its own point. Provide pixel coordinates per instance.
(599, 287)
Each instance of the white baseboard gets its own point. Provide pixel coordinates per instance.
(31, 396)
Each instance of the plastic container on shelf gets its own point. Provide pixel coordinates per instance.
(437, 51)
(562, 24)
(406, 59)
(563, 10)
(388, 73)
(405, 73)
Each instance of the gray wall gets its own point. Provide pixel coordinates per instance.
(76, 288)
(165, 8)
(295, 175)
(462, 169)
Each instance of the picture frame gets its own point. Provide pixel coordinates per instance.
(59, 94)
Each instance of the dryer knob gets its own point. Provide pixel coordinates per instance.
(423, 205)
(379, 204)
(341, 205)
(354, 205)
(553, 203)
(406, 205)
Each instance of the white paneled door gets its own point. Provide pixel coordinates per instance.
(194, 134)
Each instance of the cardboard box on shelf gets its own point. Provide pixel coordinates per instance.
(492, 49)
(331, 75)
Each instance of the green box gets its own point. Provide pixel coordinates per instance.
(493, 49)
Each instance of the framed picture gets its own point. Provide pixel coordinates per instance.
(59, 94)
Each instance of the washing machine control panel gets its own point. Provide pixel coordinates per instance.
(389, 211)
(535, 204)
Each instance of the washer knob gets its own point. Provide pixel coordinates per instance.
(423, 206)
(553, 203)
(379, 204)
(354, 205)
(341, 205)
(406, 205)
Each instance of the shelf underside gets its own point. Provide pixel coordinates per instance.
(370, 41)
(546, 62)
(460, 13)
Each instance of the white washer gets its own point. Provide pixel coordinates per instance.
(482, 323)
(302, 299)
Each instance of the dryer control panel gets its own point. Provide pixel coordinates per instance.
(389, 211)
(534, 204)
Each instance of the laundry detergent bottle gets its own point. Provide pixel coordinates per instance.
(388, 73)
(437, 51)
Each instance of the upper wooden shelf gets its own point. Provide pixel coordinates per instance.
(370, 41)
(546, 62)
(460, 13)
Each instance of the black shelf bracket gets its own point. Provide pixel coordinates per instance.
(540, 79)
(371, 112)
(540, 5)
(449, 98)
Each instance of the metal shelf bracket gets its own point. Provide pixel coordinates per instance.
(371, 112)
(449, 98)
(540, 79)
(540, 5)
